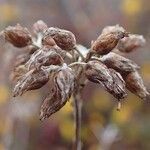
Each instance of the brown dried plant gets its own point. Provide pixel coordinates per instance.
(53, 55)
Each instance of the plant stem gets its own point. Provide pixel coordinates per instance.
(89, 55)
(77, 63)
(78, 113)
(78, 103)
(78, 51)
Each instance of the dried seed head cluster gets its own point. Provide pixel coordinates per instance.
(53, 58)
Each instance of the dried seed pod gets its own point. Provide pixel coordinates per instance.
(23, 58)
(18, 36)
(119, 63)
(62, 86)
(107, 42)
(97, 72)
(39, 26)
(131, 43)
(63, 38)
(44, 57)
(134, 83)
(30, 81)
(19, 66)
(117, 88)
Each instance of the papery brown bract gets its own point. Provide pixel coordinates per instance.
(97, 72)
(107, 42)
(63, 38)
(117, 88)
(131, 43)
(22, 59)
(134, 83)
(17, 36)
(30, 81)
(62, 86)
(113, 29)
(44, 57)
(18, 72)
(48, 41)
(19, 66)
(119, 63)
(39, 26)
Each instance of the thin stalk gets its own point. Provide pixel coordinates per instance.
(89, 55)
(78, 51)
(78, 113)
(78, 103)
(77, 63)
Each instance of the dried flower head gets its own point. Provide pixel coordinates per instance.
(17, 36)
(44, 57)
(39, 26)
(107, 41)
(119, 63)
(63, 38)
(134, 83)
(97, 72)
(131, 43)
(62, 86)
(30, 81)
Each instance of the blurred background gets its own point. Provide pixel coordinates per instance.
(103, 128)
